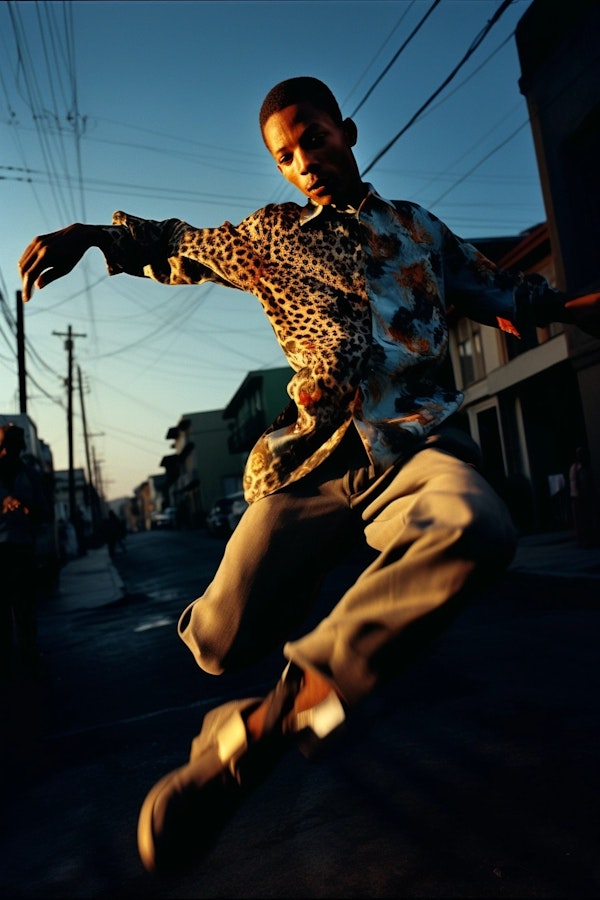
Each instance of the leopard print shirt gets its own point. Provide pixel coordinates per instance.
(359, 302)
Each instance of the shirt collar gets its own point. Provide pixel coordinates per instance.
(312, 209)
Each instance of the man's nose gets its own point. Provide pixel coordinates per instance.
(306, 162)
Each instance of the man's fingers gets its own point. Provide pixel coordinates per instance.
(32, 280)
(48, 257)
(26, 291)
(50, 275)
(32, 253)
(29, 283)
(31, 267)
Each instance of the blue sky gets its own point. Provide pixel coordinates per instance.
(151, 107)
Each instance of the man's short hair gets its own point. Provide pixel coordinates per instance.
(303, 89)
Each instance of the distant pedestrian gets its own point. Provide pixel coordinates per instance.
(79, 525)
(115, 534)
(584, 500)
(23, 509)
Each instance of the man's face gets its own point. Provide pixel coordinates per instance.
(314, 154)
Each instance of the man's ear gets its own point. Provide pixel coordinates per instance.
(351, 131)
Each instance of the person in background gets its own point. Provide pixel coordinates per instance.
(359, 290)
(23, 509)
(115, 533)
(584, 500)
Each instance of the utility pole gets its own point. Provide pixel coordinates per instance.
(21, 354)
(84, 423)
(72, 502)
(92, 495)
(97, 463)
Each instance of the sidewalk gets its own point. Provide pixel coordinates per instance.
(92, 580)
(556, 554)
(87, 582)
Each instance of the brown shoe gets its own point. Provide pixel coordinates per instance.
(186, 810)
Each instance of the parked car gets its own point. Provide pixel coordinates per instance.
(166, 518)
(217, 520)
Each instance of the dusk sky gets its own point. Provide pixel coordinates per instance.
(151, 108)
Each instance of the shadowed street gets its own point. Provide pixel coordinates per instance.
(473, 775)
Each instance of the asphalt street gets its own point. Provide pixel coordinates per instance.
(475, 774)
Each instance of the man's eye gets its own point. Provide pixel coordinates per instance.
(284, 159)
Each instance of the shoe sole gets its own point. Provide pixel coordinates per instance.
(184, 812)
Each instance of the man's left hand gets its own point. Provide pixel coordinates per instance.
(584, 311)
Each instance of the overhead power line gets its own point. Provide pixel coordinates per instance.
(406, 11)
(396, 55)
(475, 44)
(487, 156)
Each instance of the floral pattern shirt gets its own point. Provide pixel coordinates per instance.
(359, 301)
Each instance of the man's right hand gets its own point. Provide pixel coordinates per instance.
(50, 256)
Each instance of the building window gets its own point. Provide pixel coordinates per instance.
(470, 353)
(531, 337)
(489, 435)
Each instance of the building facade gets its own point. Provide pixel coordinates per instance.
(521, 401)
(560, 80)
(201, 468)
(210, 448)
(257, 402)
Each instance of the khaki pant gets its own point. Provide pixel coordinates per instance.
(437, 528)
